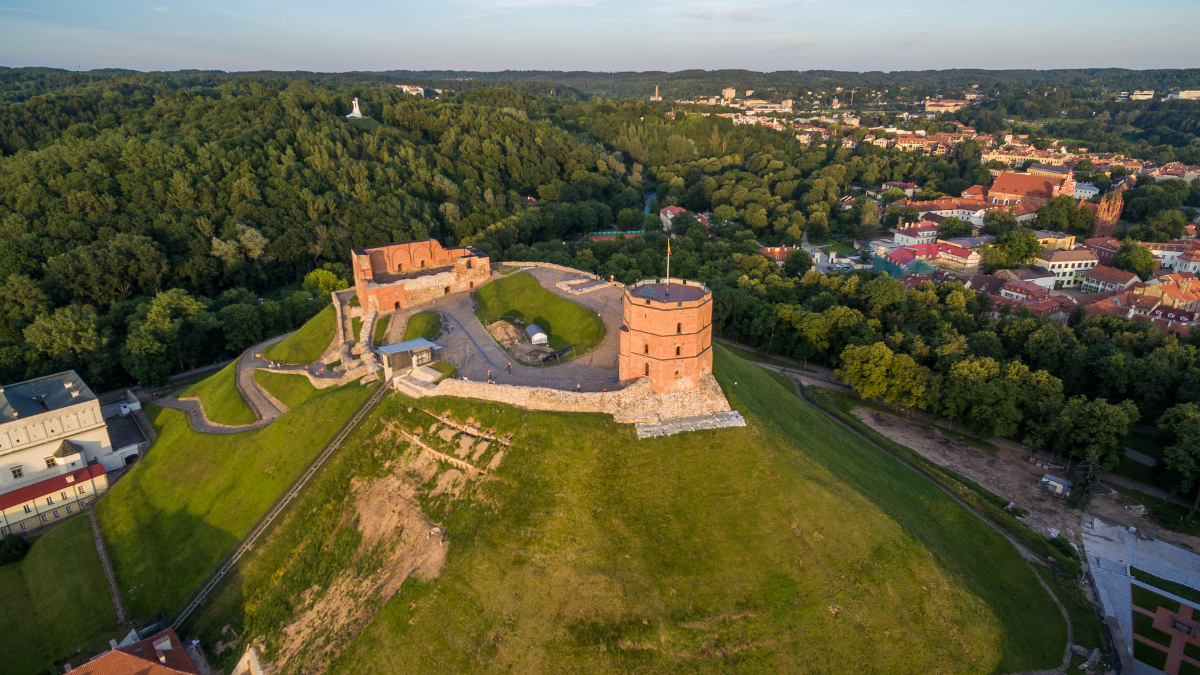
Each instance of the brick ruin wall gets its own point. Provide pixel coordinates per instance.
(419, 290)
(638, 402)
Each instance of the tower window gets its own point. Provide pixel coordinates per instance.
(646, 369)
(676, 350)
(678, 328)
(646, 348)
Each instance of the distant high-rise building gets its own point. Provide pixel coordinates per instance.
(729, 93)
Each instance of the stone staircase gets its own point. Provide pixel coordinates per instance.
(418, 382)
(676, 425)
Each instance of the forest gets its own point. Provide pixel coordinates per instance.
(154, 222)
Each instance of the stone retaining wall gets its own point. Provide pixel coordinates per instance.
(636, 403)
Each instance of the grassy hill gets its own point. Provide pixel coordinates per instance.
(55, 601)
(183, 508)
(291, 390)
(309, 342)
(521, 297)
(222, 401)
(785, 546)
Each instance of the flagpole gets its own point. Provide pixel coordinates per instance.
(668, 264)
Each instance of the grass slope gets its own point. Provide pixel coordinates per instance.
(292, 390)
(222, 401)
(55, 601)
(182, 509)
(423, 325)
(521, 297)
(308, 343)
(381, 326)
(786, 546)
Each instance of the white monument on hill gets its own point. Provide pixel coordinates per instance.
(355, 114)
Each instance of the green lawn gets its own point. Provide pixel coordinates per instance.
(180, 512)
(308, 343)
(446, 369)
(1149, 655)
(1175, 588)
(520, 297)
(785, 546)
(1085, 616)
(423, 325)
(293, 390)
(222, 401)
(751, 356)
(356, 326)
(381, 326)
(843, 249)
(55, 601)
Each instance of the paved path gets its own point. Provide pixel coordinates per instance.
(266, 407)
(1140, 458)
(467, 344)
(678, 425)
(109, 577)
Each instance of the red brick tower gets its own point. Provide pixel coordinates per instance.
(667, 334)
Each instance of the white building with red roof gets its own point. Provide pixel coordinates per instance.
(55, 451)
(1102, 278)
(924, 232)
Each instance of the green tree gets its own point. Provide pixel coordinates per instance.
(1017, 248)
(21, 301)
(242, 324)
(1091, 431)
(323, 282)
(1063, 214)
(798, 263)
(876, 372)
(70, 333)
(1179, 427)
(1135, 258)
(998, 222)
(951, 228)
(171, 330)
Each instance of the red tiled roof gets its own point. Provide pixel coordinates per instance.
(672, 210)
(49, 486)
(141, 658)
(1110, 274)
(1024, 185)
(955, 250)
(924, 250)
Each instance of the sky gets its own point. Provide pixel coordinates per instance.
(602, 35)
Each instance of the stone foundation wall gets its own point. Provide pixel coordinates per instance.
(636, 403)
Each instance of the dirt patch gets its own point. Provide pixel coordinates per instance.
(495, 463)
(397, 536)
(479, 450)
(464, 446)
(506, 334)
(450, 483)
(1007, 474)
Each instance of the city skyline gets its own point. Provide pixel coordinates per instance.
(606, 35)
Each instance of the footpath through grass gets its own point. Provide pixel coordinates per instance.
(308, 343)
(789, 545)
(183, 508)
(222, 401)
(520, 297)
(55, 601)
(423, 325)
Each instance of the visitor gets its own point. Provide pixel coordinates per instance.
(577, 386)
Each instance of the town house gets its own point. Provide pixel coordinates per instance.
(1067, 266)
